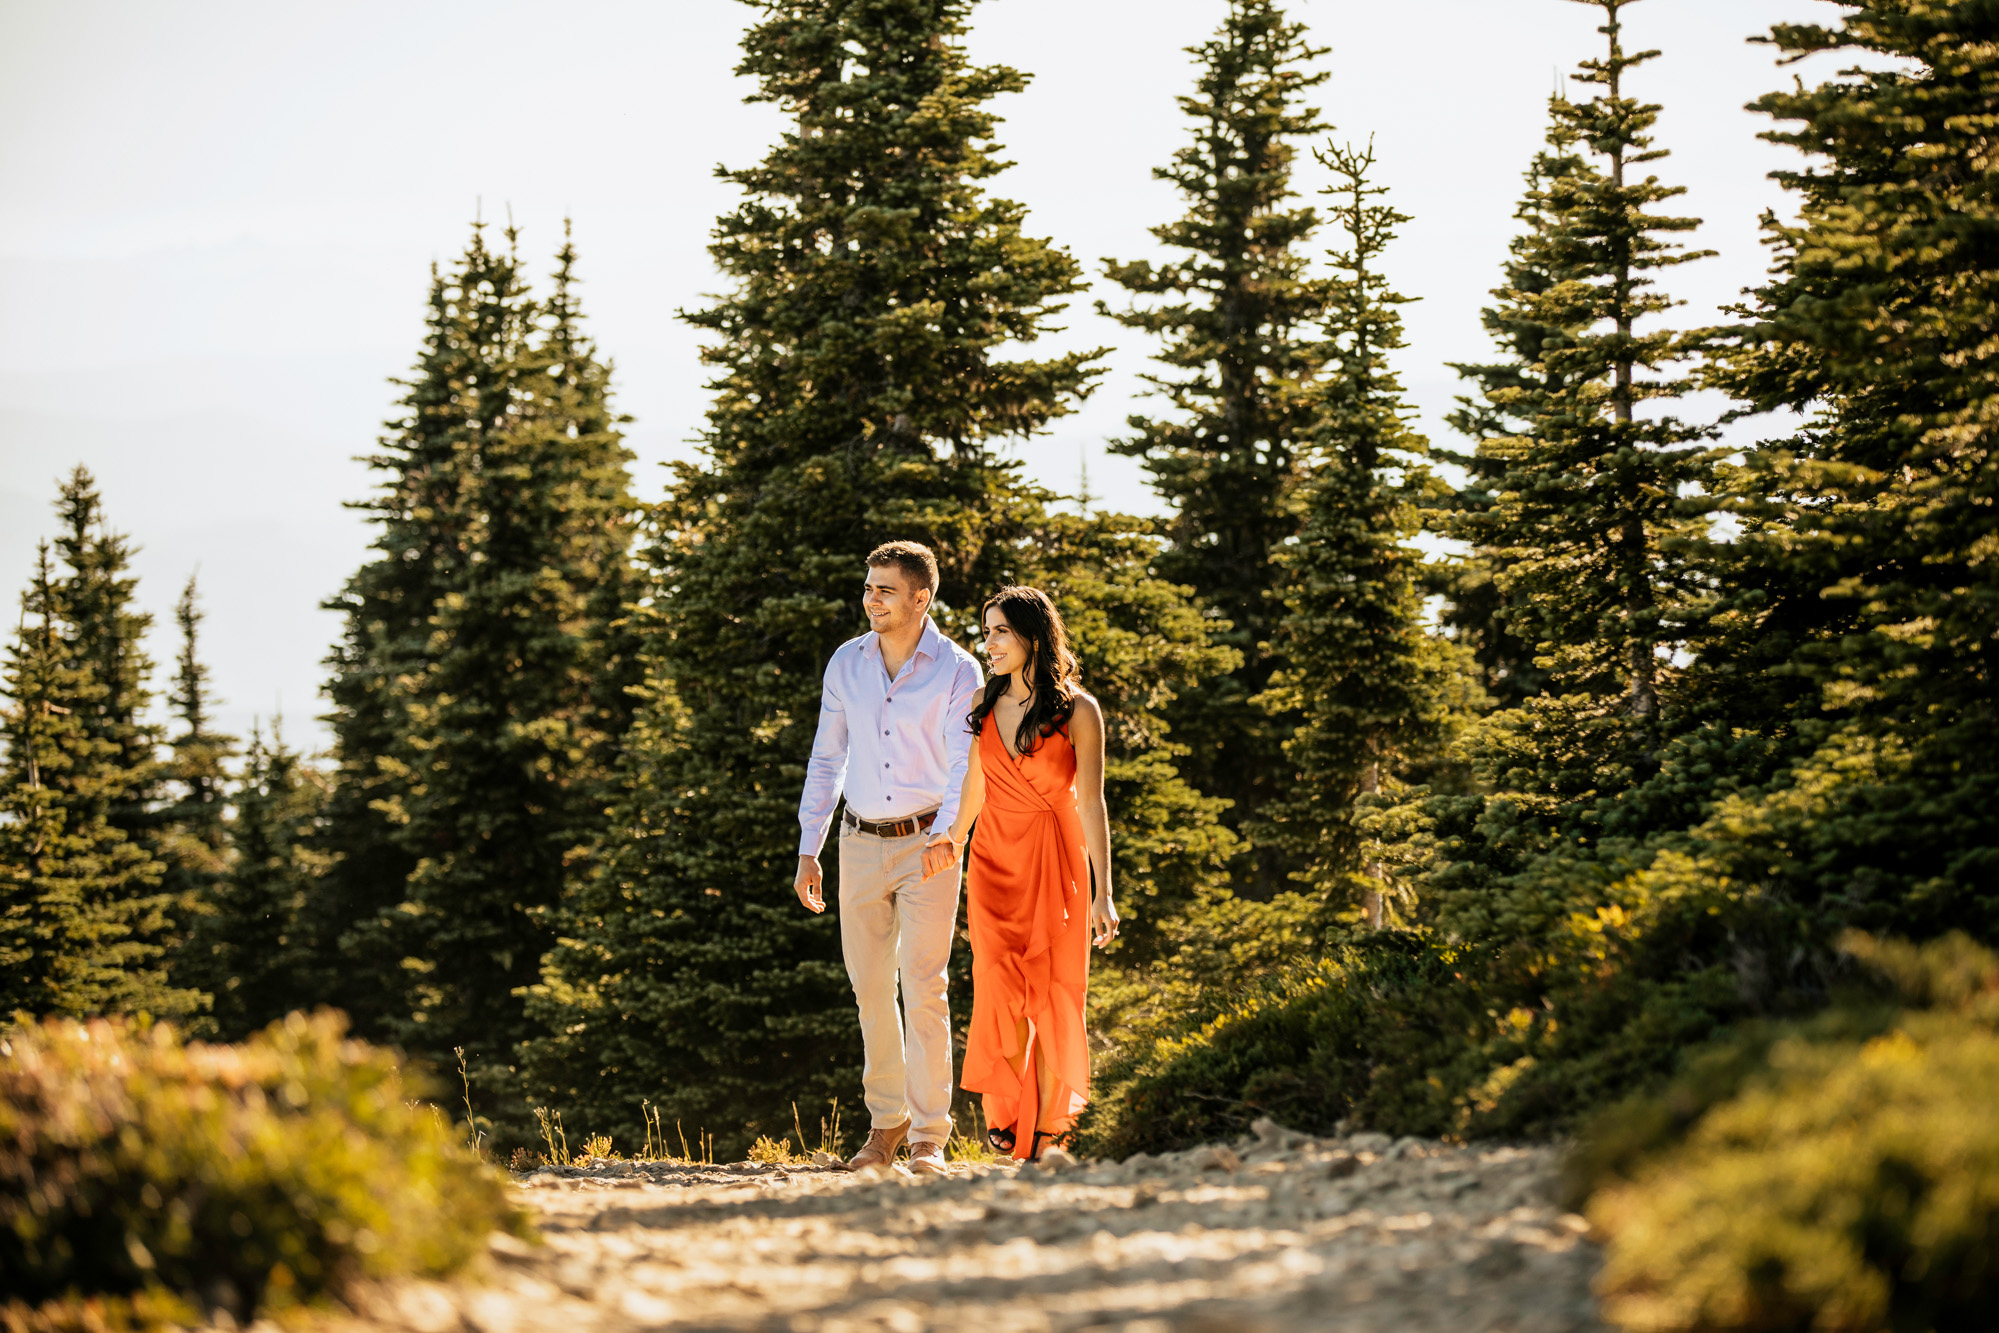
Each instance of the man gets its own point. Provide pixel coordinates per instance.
(892, 731)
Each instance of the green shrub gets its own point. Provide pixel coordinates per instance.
(1840, 1174)
(1405, 1032)
(1385, 1033)
(140, 1169)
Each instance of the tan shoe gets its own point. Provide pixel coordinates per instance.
(928, 1158)
(880, 1148)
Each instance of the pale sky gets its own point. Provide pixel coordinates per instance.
(217, 218)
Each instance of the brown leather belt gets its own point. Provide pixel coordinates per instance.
(894, 828)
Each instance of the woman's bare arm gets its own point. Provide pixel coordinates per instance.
(973, 798)
(1086, 733)
(946, 844)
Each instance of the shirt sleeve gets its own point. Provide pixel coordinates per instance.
(825, 771)
(957, 740)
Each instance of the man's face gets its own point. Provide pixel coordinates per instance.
(890, 600)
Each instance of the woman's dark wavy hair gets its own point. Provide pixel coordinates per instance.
(1054, 675)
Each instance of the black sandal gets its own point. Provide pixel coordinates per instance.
(1061, 1140)
(1002, 1140)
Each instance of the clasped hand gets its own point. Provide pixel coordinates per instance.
(940, 854)
(810, 884)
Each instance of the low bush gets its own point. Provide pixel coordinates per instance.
(140, 1175)
(1407, 1032)
(1384, 1033)
(1836, 1174)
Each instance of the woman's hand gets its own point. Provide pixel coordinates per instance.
(1103, 920)
(941, 853)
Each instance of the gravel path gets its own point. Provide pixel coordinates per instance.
(1277, 1233)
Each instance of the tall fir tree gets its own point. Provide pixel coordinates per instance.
(385, 610)
(1474, 610)
(83, 921)
(1589, 524)
(107, 635)
(193, 837)
(1358, 670)
(1239, 318)
(489, 681)
(249, 950)
(517, 707)
(1865, 583)
(860, 395)
(1597, 526)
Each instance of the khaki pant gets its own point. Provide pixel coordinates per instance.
(894, 921)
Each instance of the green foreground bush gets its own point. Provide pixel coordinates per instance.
(1839, 1175)
(143, 1179)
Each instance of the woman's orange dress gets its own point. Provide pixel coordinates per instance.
(1027, 896)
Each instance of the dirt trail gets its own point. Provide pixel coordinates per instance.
(1279, 1233)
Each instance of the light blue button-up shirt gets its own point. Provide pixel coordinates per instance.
(897, 747)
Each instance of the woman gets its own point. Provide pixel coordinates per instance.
(1036, 787)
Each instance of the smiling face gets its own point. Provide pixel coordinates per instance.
(892, 602)
(1006, 650)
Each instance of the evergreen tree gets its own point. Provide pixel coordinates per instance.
(248, 950)
(385, 610)
(859, 396)
(81, 914)
(517, 705)
(482, 692)
(107, 636)
(1358, 669)
(193, 827)
(1865, 579)
(1589, 525)
(1474, 611)
(1242, 346)
(1595, 529)
(201, 755)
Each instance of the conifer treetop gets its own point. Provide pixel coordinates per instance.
(1596, 504)
(1238, 315)
(200, 751)
(874, 278)
(1513, 331)
(1252, 287)
(1607, 241)
(1364, 320)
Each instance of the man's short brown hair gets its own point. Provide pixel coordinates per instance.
(914, 559)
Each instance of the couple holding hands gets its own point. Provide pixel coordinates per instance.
(923, 747)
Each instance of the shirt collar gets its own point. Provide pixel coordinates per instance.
(930, 644)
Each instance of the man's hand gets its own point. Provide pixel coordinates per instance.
(810, 884)
(939, 855)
